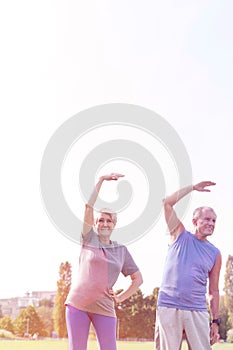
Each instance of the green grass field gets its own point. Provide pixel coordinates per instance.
(63, 345)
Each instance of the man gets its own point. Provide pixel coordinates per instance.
(191, 261)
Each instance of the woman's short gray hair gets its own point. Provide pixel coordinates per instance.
(111, 213)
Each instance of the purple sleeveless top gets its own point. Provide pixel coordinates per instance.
(188, 263)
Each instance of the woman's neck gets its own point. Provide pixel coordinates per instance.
(104, 240)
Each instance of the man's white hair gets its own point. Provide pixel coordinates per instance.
(198, 211)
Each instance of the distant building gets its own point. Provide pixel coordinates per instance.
(12, 306)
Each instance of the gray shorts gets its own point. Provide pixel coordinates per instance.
(172, 324)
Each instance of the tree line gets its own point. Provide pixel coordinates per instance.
(136, 316)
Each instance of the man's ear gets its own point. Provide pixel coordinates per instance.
(194, 220)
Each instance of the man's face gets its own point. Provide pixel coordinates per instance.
(205, 223)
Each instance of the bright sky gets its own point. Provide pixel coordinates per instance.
(60, 58)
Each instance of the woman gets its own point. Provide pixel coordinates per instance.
(91, 299)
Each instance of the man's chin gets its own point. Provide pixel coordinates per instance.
(208, 233)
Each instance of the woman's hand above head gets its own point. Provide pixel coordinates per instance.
(112, 176)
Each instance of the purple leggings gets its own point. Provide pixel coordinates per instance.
(78, 325)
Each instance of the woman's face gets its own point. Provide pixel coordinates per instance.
(104, 224)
